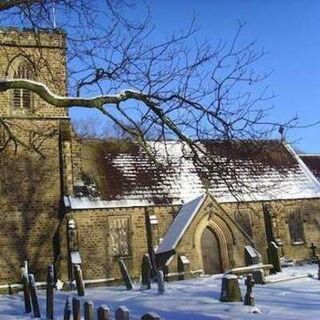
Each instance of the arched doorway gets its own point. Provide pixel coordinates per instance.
(211, 254)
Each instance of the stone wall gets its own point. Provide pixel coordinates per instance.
(30, 195)
(95, 236)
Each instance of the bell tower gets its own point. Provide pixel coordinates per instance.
(32, 136)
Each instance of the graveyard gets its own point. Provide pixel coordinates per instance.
(290, 294)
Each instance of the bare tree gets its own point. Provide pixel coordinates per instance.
(179, 88)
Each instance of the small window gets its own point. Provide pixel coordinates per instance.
(295, 223)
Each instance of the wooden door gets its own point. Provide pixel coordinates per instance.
(210, 252)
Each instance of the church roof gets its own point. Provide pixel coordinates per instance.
(313, 163)
(242, 171)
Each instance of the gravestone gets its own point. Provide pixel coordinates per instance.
(151, 316)
(34, 297)
(122, 313)
(251, 256)
(314, 258)
(318, 269)
(104, 313)
(274, 257)
(230, 289)
(248, 298)
(76, 309)
(258, 276)
(183, 267)
(79, 280)
(50, 292)
(88, 307)
(67, 310)
(146, 272)
(125, 274)
(160, 282)
(26, 290)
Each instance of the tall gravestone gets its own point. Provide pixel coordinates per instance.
(26, 290)
(34, 297)
(50, 292)
(146, 272)
(274, 256)
(67, 310)
(160, 282)
(248, 298)
(122, 313)
(104, 313)
(125, 274)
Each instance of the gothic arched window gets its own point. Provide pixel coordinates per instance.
(21, 98)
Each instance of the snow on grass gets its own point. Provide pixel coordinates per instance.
(196, 299)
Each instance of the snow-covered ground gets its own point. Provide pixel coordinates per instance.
(197, 299)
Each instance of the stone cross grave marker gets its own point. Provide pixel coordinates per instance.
(146, 272)
(314, 257)
(122, 313)
(248, 298)
(125, 274)
(160, 282)
(274, 256)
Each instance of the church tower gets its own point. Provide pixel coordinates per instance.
(33, 136)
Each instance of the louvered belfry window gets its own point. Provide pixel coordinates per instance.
(21, 97)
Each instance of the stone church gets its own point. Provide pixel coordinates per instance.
(65, 201)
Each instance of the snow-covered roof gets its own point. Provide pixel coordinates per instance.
(274, 172)
(180, 224)
(313, 163)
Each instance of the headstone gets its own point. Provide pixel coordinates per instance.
(50, 292)
(26, 290)
(146, 272)
(151, 316)
(274, 257)
(248, 298)
(160, 282)
(251, 256)
(79, 280)
(314, 257)
(122, 313)
(230, 289)
(104, 313)
(88, 307)
(76, 309)
(34, 298)
(183, 267)
(125, 274)
(258, 276)
(67, 310)
(318, 269)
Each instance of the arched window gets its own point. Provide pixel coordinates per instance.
(21, 68)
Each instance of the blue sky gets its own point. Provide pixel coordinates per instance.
(287, 29)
